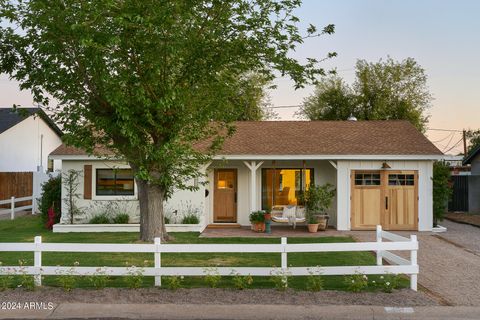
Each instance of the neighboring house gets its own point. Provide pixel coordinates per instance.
(473, 159)
(27, 136)
(382, 172)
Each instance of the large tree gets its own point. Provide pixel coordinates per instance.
(474, 139)
(382, 90)
(252, 99)
(150, 79)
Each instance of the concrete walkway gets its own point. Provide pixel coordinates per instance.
(260, 312)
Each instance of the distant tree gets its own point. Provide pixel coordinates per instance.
(474, 139)
(151, 79)
(252, 99)
(382, 90)
(333, 99)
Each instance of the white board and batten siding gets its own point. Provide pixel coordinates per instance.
(425, 188)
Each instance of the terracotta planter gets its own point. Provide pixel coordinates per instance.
(313, 227)
(258, 227)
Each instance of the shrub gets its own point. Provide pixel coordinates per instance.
(121, 218)
(212, 277)
(241, 282)
(51, 195)
(190, 218)
(314, 280)
(99, 279)
(166, 220)
(100, 219)
(389, 282)
(173, 282)
(441, 190)
(279, 277)
(356, 282)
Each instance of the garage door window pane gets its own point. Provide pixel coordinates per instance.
(367, 179)
(401, 180)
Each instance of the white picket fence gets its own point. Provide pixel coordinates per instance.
(14, 209)
(398, 265)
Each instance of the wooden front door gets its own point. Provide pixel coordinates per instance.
(225, 196)
(386, 198)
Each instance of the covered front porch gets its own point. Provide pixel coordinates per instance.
(238, 187)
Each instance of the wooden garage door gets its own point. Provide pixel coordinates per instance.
(401, 200)
(387, 198)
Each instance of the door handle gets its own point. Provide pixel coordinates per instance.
(235, 197)
(386, 203)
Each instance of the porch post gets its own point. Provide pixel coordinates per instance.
(253, 166)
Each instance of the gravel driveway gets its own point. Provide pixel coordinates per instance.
(449, 262)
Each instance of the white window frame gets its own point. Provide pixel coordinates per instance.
(111, 197)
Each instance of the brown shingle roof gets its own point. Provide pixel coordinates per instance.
(393, 137)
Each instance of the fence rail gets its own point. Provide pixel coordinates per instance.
(13, 200)
(398, 265)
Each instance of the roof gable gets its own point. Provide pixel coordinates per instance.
(9, 117)
(468, 159)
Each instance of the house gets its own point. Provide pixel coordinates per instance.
(473, 159)
(27, 137)
(382, 172)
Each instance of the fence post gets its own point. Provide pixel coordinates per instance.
(379, 240)
(413, 261)
(284, 254)
(158, 261)
(12, 208)
(33, 205)
(37, 261)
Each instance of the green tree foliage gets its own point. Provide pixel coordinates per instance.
(333, 99)
(51, 196)
(252, 99)
(474, 139)
(441, 190)
(149, 80)
(382, 90)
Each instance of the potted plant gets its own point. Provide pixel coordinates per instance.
(317, 199)
(257, 219)
(312, 223)
(268, 214)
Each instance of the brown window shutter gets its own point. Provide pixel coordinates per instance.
(87, 182)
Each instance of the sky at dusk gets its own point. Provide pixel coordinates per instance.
(443, 36)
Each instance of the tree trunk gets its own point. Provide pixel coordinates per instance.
(152, 224)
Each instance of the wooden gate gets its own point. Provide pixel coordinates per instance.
(16, 184)
(386, 198)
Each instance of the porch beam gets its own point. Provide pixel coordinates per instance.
(333, 164)
(253, 166)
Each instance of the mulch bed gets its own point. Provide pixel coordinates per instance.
(471, 219)
(401, 298)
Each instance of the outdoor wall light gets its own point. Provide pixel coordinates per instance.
(385, 165)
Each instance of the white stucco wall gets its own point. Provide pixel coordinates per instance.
(20, 146)
(181, 201)
(425, 188)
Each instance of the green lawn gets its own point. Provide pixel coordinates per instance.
(24, 229)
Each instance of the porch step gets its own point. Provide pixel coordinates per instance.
(223, 226)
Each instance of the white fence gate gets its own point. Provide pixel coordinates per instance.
(398, 265)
